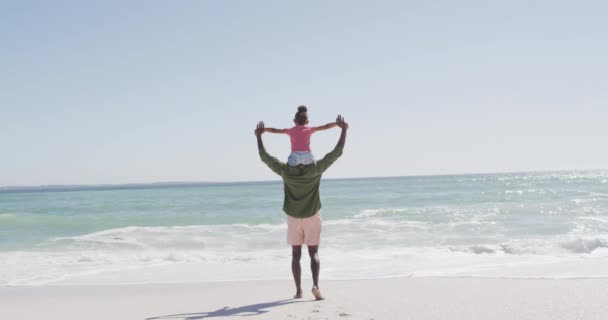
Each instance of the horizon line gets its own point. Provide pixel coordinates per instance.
(161, 184)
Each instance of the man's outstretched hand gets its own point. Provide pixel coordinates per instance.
(340, 122)
(259, 129)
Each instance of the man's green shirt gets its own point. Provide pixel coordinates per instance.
(301, 183)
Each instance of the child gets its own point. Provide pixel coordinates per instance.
(300, 138)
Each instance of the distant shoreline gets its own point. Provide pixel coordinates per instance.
(193, 184)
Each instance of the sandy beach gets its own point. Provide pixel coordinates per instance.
(404, 298)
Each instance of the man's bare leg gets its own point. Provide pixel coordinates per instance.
(296, 270)
(315, 266)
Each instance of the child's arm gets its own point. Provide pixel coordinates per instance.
(326, 126)
(273, 130)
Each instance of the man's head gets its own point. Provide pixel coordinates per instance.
(301, 117)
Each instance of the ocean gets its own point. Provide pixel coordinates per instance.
(515, 225)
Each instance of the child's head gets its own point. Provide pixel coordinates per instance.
(301, 117)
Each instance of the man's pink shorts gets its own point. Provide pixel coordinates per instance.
(304, 230)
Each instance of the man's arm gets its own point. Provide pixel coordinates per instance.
(325, 126)
(273, 130)
(332, 156)
(273, 163)
(344, 126)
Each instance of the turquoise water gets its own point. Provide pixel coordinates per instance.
(435, 225)
(28, 219)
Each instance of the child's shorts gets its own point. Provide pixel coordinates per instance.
(300, 157)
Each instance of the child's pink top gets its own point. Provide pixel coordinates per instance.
(300, 138)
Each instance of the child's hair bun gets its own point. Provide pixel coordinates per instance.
(302, 109)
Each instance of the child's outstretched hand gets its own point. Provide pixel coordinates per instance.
(341, 122)
(259, 129)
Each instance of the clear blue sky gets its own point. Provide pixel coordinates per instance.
(145, 91)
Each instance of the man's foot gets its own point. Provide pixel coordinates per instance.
(317, 293)
(298, 295)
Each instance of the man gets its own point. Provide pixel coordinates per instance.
(302, 204)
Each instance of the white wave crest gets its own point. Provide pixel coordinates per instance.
(176, 237)
(541, 247)
(581, 245)
(377, 212)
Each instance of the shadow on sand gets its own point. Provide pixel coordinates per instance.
(249, 310)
